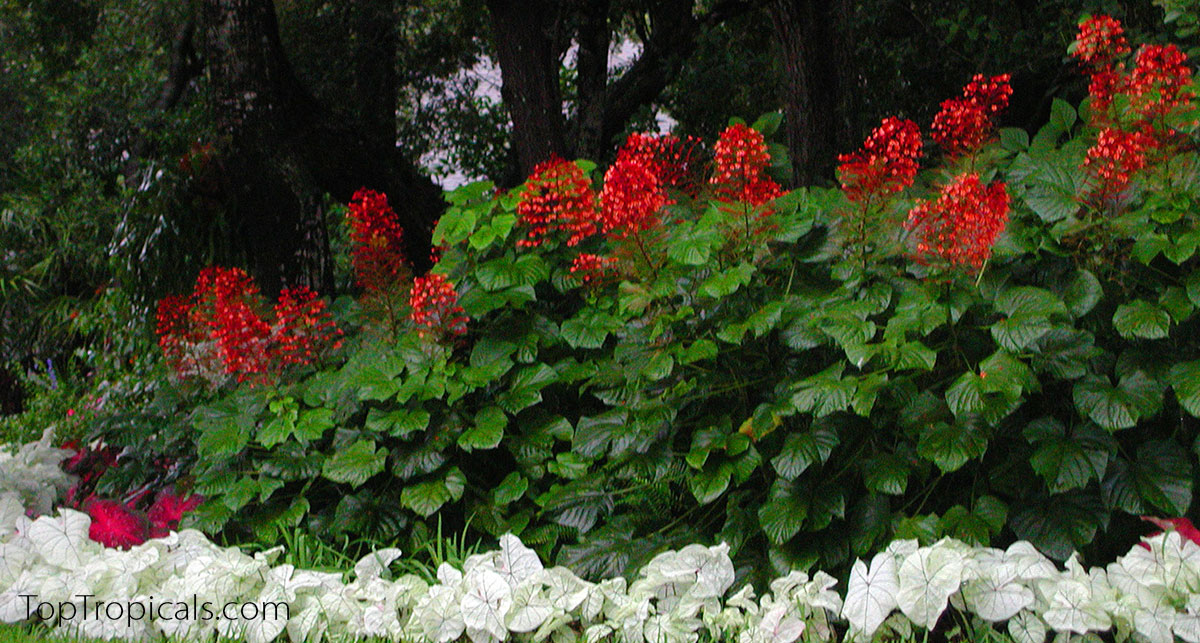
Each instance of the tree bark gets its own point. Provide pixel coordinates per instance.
(815, 42)
(281, 151)
(529, 69)
(592, 80)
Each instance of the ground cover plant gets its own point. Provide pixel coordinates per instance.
(980, 337)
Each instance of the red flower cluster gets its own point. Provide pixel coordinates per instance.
(741, 160)
(887, 162)
(1114, 159)
(378, 239)
(1158, 84)
(435, 306)
(964, 124)
(557, 196)
(218, 329)
(1101, 41)
(676, 163)
(121, 526)
(961, 225)
(302, 326)
(631, 199)
(590, 268)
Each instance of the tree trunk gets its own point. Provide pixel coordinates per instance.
(592, 80)
(525, 52)
(815, 42)
(281, 151)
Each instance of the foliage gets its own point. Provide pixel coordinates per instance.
(508, 593)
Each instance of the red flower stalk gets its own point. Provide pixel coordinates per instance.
(1159, 80)
(590, 268)
(114, 524)
(631, 198)
(303, 327)
(378, 240)
(435, 306)
(1114, 159)
(961, 225)
(1104, 85)
(240, 332)
(557, 196)
(964, 124)
(174, 328)
(741, 160)
(1101, 41)
(887, 162)
(676, 163)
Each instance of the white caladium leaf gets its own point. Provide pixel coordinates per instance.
(486, 602)
(530, 607)
(818, 593)
(14, 559)
(1026, 627)
(516, 562)
(481, 636)
(1168, 560)
(440, 616)
(598, 633)
(373, 564)
(927, 579)
(1187, 627)
(871, 594)
(63, 541)
(10, 510)
(1030, 563)
(779, 625)
(994, 601)
(901, 549)
(308, 625)
(565, 590)
(449, 576)
(558, 621)
(1155, 622)
(1072, 609)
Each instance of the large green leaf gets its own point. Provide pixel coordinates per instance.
(1163, 475)
(1185, 380)
(801, 450)
(950, 446)
(886, 473)
(1066, 464)
(782, 515)
(709, 484)
(1058, 525)
(1142, 319)
(488, 430)
(225, 426)
(589, 329)
(355, 463)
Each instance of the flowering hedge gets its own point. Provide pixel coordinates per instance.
(508, 593)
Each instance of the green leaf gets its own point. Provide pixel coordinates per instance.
(487, 432)
(801, 450)
(510, 489)
(699, 350)
(313, 424)
(1058, 525)
(568, 465)
(783, 514)
(589, 328)
(1163, 475)
(1066, 464)
(594, 434)
(1062, 115)
(709, 484)
(455, 225)
(768, 123)
(1104, 404)
(1141, 319)
(1020, 331)
(502, 272)
(658, 366)
(1083, 293)
(886, 473)
(693, 244)
(728, 281)
(951, 446)
(398, 422)
(1014, 139)
(356, 463)
(1030, 301)
(225, 427)
(965, 395)
(1185, 380)
(425, 498)
(824, 393)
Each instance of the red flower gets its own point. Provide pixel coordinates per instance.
(887, 162)
(1100, 42)
(1159, 80)
(1114, 159)
(961, 127)
(989, 94)
(590, 268)
(378, 241)
(240, 332)
(303, 327)
(1104, 85)
(675, 162)
(435, 306)
(962, 224)
(168, 509)
(557, 196)
(741, 159)
(114, 524)
(631, 198)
